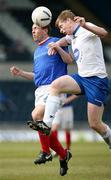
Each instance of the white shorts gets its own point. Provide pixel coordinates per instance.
(41, 95)
(65, 118)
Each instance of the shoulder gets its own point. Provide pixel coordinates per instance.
(54, 39)
(84, 32)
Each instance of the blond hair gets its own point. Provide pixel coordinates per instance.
(64, 15)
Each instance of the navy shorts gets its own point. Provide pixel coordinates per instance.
(94, 88)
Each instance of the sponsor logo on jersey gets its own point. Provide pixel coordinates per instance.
(76, 54)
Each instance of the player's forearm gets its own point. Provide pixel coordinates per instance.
(66, 57)
(27, 75)
(62, 42)
(101, 32)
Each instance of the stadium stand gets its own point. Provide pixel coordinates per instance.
(19, 33)
(19, 4)
(16, 15)
(16, 102)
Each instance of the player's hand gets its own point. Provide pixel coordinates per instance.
(15, 71)
(51, 51)
(52, 48)
(50, 44)
(80, 20)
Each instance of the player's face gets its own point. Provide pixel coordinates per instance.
(37, 33)
(66, 27)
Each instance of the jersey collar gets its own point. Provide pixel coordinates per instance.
(76, 30)
(42, 42)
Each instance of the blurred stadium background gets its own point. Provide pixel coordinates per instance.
(16, 48)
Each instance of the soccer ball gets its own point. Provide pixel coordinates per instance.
(41, 16)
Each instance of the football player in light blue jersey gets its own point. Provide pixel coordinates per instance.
(91, 78)
(46, 69)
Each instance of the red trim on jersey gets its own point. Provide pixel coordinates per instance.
(42, 42)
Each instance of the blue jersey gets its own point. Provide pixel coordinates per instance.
(47, 68)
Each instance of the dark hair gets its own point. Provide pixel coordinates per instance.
(49, 29)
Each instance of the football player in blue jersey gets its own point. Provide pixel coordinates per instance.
(46, 70)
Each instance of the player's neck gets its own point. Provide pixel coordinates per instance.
(43, 41)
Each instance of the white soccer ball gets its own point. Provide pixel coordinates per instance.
(41, 16)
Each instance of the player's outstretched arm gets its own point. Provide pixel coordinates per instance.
(101, 32)
(15, 71)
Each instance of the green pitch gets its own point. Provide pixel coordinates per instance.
(90, 161)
